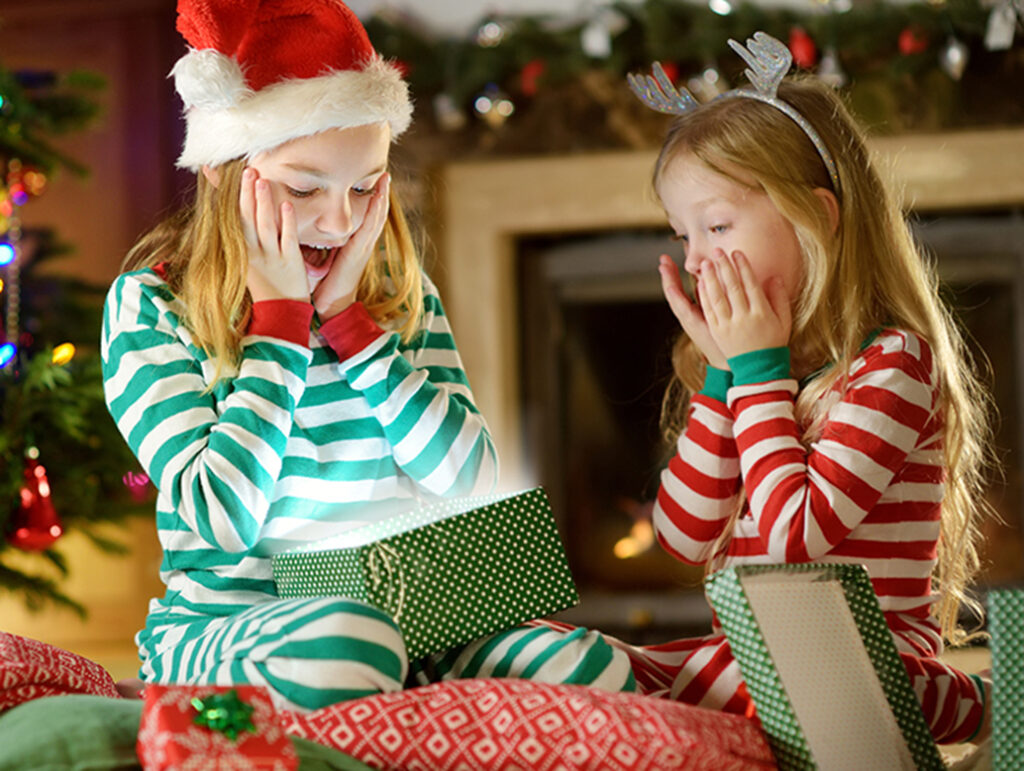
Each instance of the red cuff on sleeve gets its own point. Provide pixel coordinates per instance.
(350, 331)
(284, 319)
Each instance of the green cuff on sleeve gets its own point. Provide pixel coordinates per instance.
(760, 366)
(716, 383)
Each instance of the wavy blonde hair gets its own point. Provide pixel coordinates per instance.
(207, 263)
(867, 273)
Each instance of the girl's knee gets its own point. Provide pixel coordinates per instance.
(334, 649)
(577, 657)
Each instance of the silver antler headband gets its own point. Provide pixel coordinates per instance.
(769, 60)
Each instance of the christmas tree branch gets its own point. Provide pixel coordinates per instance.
(36, 591)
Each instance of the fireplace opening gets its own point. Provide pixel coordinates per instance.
(597, 336)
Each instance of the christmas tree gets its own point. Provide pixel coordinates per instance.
(63, 466)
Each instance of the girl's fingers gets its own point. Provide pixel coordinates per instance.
(289, 232)
(363, 240)
(729, 280)
(378, 213)
(247, 205)
(778, 298)
(714, 302)
(672, 288)
(754, 294)
(266, 218)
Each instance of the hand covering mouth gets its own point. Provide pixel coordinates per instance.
(695, 286)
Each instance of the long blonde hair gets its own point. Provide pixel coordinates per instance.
(206, 266)
(867, 273)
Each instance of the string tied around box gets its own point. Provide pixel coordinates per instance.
(384, 566)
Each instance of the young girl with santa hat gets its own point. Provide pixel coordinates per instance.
(284, 370)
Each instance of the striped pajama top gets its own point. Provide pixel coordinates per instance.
(315, 432)
(867, 491)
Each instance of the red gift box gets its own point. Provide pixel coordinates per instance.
(170, 737)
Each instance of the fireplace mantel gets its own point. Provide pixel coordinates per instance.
(485, 207)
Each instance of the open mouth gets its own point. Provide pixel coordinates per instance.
(318, 259)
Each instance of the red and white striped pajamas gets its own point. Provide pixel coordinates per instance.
(867, 491)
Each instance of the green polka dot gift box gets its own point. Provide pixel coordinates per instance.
(448, 572)
(821, 666)
(1006, 625)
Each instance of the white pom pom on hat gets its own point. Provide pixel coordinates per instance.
(209, 80)
(262, 72)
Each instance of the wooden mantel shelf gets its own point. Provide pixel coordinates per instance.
(485, 206)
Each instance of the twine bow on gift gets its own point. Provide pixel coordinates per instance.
(384, 566)
(224, 712)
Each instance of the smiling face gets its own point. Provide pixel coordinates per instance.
(329, 178)
(709, 211)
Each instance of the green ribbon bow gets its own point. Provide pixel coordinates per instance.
(224, 712)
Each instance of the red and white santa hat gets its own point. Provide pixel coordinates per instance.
(261, 72)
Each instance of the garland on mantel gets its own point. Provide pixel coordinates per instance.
(535, 84)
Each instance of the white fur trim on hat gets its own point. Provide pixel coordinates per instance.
(227, 120)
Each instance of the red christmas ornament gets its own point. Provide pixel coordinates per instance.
(36, 524)
(912, 41)
(805, 53)
(531, 74)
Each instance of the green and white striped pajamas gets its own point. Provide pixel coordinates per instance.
(315, 433)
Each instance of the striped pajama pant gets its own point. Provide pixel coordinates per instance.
(703, 672)
(312, 652)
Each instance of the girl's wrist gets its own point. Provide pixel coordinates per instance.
(283, 319)
(332, 309)
(350, 331)
(760, 366)
(717, 383)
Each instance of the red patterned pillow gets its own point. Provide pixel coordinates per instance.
(518, 724)
(30, 669)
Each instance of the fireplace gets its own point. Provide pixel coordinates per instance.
(560, 320)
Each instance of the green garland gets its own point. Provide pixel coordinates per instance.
(56, 408)
(890, 90)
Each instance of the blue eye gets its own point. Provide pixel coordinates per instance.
(299, 193)
(719, 228)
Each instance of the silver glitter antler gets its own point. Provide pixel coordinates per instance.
(769, 60)
(659, 94)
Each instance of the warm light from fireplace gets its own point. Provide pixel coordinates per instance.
(639, 540)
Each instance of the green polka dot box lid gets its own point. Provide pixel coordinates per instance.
(821, 666)
(448, 572)
(1006, 624)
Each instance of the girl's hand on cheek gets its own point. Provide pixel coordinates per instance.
(276, 269)
(741, 317)
(689, 314)
(337, 290)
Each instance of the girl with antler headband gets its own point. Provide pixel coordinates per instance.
(824, 407)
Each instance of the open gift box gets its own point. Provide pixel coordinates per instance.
(447, 572)
(821, 666)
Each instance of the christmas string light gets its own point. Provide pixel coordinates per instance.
(11, 295)
(14, 196)
(63, 353)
